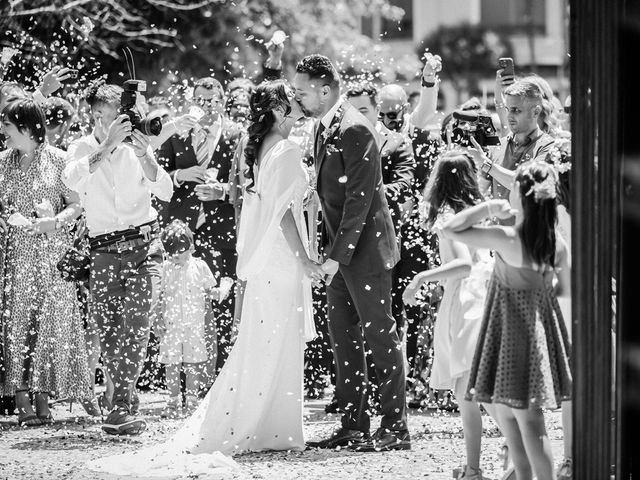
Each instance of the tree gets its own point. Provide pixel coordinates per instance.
(174, 40)
(470, 53)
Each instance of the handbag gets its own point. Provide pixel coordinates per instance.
(74, 266)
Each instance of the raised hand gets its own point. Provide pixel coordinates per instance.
(53, 79)
(184, 123)
(119, 129)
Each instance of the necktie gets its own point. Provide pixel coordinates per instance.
(318, 139)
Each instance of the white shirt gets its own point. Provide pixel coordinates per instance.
(117, 196)
(328, 117)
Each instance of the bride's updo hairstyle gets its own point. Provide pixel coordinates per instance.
(267, 97)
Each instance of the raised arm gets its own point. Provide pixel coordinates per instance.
(428, 102)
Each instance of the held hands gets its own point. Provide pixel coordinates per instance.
(313, 270)
(330, 268)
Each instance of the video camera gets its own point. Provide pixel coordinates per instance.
(131, 90)
(476, 124)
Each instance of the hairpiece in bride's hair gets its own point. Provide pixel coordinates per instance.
(546, 189)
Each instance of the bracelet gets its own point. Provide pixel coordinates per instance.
(427, 84)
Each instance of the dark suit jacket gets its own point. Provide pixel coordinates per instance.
(398, 166)
(357, 227)
(219, 229)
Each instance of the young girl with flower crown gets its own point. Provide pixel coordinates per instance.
(464, 273)
(521, 364)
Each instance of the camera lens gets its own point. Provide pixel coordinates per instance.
(151, 126)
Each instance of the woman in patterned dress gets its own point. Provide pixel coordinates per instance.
(44, 345)
(521, 363)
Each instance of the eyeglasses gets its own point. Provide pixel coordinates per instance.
(390, 115)
(207, 101)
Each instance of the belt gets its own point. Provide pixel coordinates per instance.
(125, 239)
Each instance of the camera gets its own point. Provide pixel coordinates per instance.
(131, 90)
(476, 124)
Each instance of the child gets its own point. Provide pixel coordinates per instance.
(186, 295)
(464, 273)
(521, 364)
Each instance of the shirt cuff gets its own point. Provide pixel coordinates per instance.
(176, 182)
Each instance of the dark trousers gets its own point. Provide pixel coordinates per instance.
(121, 298)
(359, 308)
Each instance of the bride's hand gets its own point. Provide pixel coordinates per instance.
(313, 270)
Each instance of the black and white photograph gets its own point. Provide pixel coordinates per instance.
(319, 239)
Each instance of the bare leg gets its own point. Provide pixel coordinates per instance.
(536, 441)
(511, 431)
(471, 424)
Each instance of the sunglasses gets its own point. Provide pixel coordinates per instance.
(389, 115)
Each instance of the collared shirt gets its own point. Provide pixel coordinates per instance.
(511, 154)
(117, 196)
(328, 117)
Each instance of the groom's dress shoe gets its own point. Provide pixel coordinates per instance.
(342, 437)
(385, 440)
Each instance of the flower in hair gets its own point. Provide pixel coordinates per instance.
(559, 155)
(544, 190)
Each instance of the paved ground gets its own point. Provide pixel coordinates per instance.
(61, 450)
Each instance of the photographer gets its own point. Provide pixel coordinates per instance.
(115, 178)
(523, 102)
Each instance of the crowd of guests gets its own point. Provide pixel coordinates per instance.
(156, 216)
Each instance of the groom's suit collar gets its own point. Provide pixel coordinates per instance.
(324, 130)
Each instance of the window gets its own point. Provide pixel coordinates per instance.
(512, 16)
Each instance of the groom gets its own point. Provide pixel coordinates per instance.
(360, 250)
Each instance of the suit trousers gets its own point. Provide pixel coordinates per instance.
(121, 286)
(359, 308)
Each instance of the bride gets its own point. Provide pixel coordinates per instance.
(256, 403)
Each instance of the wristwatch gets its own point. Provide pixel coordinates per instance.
(486, 166)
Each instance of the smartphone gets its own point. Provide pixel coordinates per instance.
(506, 64)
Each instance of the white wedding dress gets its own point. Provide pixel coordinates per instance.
(256, 403)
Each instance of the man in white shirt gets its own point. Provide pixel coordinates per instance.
(115, 173)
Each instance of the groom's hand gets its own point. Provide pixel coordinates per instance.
(330, 268)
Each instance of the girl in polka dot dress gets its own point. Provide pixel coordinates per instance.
(521, 364)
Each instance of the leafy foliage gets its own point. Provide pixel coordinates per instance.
(177, 39)
(471, 52)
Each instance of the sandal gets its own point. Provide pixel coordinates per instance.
(565, 472)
